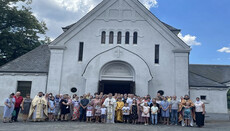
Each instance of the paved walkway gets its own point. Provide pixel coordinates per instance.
(77, 126)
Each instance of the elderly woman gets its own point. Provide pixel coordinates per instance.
(200, 112)
(8, 108)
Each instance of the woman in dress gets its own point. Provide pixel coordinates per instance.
(51, 108)
(26, 103)
(64, 108)
(120, 105)
(8, 108)
(134, 115)
(200, 112)
(139, 111)
(165, 110)
(76, 108)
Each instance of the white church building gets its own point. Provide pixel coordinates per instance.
(118, 47)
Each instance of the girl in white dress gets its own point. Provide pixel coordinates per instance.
(145, 113)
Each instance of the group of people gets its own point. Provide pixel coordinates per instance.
(106, 108)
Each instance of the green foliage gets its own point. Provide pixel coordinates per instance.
(19, 29)
(228, 95)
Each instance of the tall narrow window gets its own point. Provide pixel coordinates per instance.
(80, 53)
(119, 35)
(127, 38)
(111, 34)
(135, 38)
(24, 87)
(157, 52)
(103, 37)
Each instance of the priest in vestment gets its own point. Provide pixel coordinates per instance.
(181, 107)
(119, 115)
(39, 108)
(111, 104)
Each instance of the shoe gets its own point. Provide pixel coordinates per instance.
(10, 121)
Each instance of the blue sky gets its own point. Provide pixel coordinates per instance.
(205, 24)
(208, 20)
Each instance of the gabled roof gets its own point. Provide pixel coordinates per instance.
(139, 7)
(35, 61)
(217, 73)
(196, 80)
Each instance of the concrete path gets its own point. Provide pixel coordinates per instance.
(80, 126)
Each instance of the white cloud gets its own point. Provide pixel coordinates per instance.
(149, 3)
(224, 49)
(189, 39)
(61, 13)
(87, 5)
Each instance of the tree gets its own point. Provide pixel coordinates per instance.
(20, 30)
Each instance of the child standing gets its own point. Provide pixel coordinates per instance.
(51, 108)
(145, 113)
(57, 107)
(98, 112)
(103, 114)
(154, 110)
(89, 113)
(126, 112)
(187, 113)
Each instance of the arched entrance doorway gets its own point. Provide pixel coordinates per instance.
(117, 77)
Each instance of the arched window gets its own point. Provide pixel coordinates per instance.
(111, 34)
(119, 34)
(127, 38)
(135, 38)
(103, 37)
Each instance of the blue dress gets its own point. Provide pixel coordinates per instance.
(8, 111)
(165, 104)
(51, 105)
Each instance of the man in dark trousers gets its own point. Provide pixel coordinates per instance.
(18, 100)
(83, 106)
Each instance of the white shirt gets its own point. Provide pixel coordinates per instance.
(154, 109)
(198, 106)
(129, 101)
(103, 111)
(126, 110)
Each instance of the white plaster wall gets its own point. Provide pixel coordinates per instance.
(148, 35)
(216, 99)
(55, 70)
(8, 84)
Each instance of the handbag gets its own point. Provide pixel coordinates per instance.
(14, 113)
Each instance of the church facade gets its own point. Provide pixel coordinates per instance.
(118, 47)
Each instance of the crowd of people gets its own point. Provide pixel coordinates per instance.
(106, 108)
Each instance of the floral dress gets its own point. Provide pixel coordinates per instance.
(76, 109)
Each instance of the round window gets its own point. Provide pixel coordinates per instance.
(161, 92)
(73, 90)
